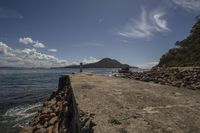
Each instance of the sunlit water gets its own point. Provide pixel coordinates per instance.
(22, 92)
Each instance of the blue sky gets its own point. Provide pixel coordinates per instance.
(45, 33)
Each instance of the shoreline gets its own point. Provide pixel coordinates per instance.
(187, 77)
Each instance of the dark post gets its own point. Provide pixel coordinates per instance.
(81, 67)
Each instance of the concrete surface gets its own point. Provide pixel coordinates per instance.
(128, 106)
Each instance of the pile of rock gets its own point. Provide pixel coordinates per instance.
(60, 113)
(169, 76)
(86, 122)
(47, 119)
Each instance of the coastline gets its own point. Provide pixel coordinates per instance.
(182, 77)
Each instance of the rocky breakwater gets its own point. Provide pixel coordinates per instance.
(59, 114)
(188, 78)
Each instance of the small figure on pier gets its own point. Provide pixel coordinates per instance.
(81, 67)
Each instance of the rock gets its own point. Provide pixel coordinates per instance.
(46, 110)
(50, 129)
(38, 126)
(53, 120)
(168, 76)
(43, 118)
(122, 130)
(177, 83)
(41, 130)
(194, 87)
(179, 75)
(46, 124)
(88, 127)
(58, 98)
(92, 115)
(27, 130)
(56, 110)
(162, 83)
(183, 84)
(52, 115)
(52, 95)
(55, 128)
(114, 121)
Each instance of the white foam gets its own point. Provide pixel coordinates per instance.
(22, 112)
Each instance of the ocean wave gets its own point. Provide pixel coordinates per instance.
(20, 115)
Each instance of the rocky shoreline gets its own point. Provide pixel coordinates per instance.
(60, 113)
(189, 78)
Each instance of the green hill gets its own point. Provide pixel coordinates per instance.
(186, 52)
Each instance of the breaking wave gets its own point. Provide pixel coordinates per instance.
(22, 114)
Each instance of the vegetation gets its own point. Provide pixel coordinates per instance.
(186, 52)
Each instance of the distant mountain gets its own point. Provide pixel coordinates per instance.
(104, 63)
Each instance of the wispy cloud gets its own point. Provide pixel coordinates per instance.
(52, 50)
(27, 58)
(188, 4)
(160, 24)
(8, 13)
(29, 40)
(146, 26)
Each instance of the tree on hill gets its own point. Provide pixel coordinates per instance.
(186, 52)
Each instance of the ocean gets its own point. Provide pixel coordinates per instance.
(22, 92)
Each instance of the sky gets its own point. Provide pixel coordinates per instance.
(51, 33)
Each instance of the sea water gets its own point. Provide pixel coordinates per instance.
(22, 92)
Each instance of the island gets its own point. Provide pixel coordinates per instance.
(104, 63)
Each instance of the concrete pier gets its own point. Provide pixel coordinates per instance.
(90, 103)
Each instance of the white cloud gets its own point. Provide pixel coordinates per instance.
(5, 50)
(52, 50)
(27, 58)
(8, 14)
(32, 58)
(26, 40)
(38, 45)
(148, 65)
(90, 60)
(188, 4)
(29, 40)
(146, 26)
(161, 23)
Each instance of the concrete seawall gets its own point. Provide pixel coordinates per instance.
(59, 114)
